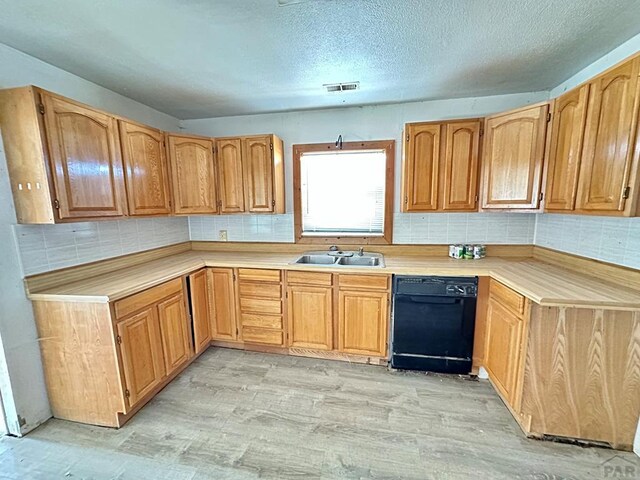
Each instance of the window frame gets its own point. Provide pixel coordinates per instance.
(389, 146)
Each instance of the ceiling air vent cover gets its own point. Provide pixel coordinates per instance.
(341, 87)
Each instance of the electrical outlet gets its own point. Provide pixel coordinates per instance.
(222, 235)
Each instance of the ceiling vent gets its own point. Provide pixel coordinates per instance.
(341, 87)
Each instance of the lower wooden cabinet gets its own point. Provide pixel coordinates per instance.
(174, 331)
(260, 306)
(310, 317)
(504, 334)
(200, 309)
(222, 298)
(363, 320)
(141, 351)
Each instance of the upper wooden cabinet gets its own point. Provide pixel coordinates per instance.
(440, 171)
(421, 167)
(608, 153)
(513, 155)
(230, 176)
(193, 174)
(146, 170)
(251, 174)
(565, 152)
(441, 166)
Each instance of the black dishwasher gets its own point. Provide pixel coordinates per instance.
(433, 323)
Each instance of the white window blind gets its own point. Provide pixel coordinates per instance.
(343, 192)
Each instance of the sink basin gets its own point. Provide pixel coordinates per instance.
(341, 259)
(364, 261)
(316, 259)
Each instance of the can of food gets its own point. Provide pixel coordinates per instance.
(479, 251)
(468, 252)
(457, 251)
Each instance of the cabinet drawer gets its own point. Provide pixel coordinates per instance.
(140, 300)
(262, 335)
(507, 297)
(310, 278)
(261, 305)
(259, 275)
(261, 321)
(266, 290)
(367, 282)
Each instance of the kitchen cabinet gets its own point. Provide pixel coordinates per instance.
(63, 158)
(440, 169)
(146, 172)
(192, 174)
(608, 166)
(363, 314)
(512, 159)
(565, 152)
(142, 356)
(263, 170)
(505, 325)
(174, 331)
(200, 309)
(260, 306)
(223, 301)
(310, 310)
(230, 176)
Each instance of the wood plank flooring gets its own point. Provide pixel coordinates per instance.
(243, 415)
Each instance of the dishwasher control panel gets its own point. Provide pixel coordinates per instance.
(438, 286)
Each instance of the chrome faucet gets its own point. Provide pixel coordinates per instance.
(361, 251)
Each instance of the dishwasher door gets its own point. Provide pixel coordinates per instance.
(433, 333)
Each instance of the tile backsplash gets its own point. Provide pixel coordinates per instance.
(435, 228)
(610, 239)
(50, 247)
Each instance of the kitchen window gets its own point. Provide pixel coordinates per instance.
(344, 194)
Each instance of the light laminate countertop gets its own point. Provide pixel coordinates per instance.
(543, 283)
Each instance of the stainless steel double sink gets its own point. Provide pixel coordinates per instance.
(341, 259)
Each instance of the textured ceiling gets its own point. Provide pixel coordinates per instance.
(208, 58)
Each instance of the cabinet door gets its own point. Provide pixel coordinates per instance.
(223, 301)
(257, 164)
(229, 163)
(193, 175)
(608, 139)
(146, 169)
(512, 159)
(175, 333)
(567, 133)
(200, 309)
(310, 317)
(460, 176)
(421, 165)
(502, 348)
(141, 351)
(85, 158)
(362, 322)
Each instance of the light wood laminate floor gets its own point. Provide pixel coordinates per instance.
(243, 415)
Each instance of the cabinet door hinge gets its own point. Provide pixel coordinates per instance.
(406, 200)
(237, 331)
(273, 203)
(127, 393)
(56, 204)
(540, 196)
(481, 132)
(119, 340)
(407, 137)
(476, 198)
(41, 108)
(234, 276)
(271, 146)
(626, 192)
(548, 117)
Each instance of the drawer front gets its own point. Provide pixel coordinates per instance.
(265, 290)
(507, 297)
(365, 282)
(262, 335)
(259, 275)
(261, 321)
(136, 302)
(310, 278)
(261, 305)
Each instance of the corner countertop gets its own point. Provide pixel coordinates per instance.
(545, 284)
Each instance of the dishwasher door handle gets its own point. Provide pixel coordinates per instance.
(429, 299)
